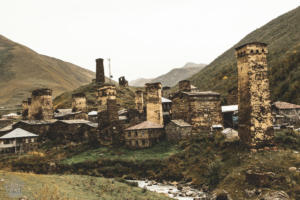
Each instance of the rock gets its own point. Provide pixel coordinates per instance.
(259, 179)
(275, 195)
(221, 195)
(292, 169)
(1, 180)
(174, 183)
(250, 193)
(190, 193)
(179, 187)
(23, 198)
(267, 148)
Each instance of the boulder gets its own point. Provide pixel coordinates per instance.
(292, 169)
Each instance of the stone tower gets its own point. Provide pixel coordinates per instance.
(154, 106)
(100, 76)
(185, 85)
(41, 107)
(139, 101)
(107, 91)
(123, 82)
(255, 118)
(166, 92)
(25, 108)
(79, 102)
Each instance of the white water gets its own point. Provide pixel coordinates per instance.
(170, 190)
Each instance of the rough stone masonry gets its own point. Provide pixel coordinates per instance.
(255, 118)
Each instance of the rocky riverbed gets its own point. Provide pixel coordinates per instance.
(173, 190)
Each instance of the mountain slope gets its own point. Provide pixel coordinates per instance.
(172, 77)
(22, 70)
(283, 38)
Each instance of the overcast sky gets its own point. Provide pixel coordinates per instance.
(143, 38)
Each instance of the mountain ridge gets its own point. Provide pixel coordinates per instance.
(23, 70)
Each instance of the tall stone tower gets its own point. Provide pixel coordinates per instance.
(41, 107)
(139, 101)
(107, 91)
(100, 76)
(154, 106)
(79, 102)
(255, 118)
(185, 86)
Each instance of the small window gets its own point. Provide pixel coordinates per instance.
(257, 51)
(251, 51)
(129, 134)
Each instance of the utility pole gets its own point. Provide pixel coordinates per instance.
(109, 68)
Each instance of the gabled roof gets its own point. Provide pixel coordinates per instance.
(37, 122)
(145, 125)
(18, 133)
(285, 105)
(181, 123)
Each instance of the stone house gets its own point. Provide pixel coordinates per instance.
(285, 113)
(69, 114)
(18, 141)
(178, 130)
(200, 109)
(143, 135)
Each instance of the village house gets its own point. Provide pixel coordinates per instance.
(285, 113)
(200, 109)
(178, 130)
(143, 135)
(17, 141)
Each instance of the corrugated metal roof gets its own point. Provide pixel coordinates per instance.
(38, 122)
(205, 93)
(181, 123)
(230, 108)
(18, 133)
(285, 105)
(146, 125)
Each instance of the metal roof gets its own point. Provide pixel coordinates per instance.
(230, 108)
(93, 113)
(145, 125)
(285, 105)
(181, 123)
(165, 100)
(18, 133)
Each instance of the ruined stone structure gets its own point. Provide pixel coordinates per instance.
(200, 109)
(166, 92)
(255, 118)
(185, 85)
(107, 91)
(154, 104)
(41, 107)
(123, 82)
(100, 76)
(139, 101)
(79, 102)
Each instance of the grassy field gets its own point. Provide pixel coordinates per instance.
(159, 151)
(69, 187)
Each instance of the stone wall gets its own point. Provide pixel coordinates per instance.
(185, 85)
(255, 118)
(176, 133)
(154, 104)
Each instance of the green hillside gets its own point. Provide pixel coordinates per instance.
(283, 38)
(23, 70)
